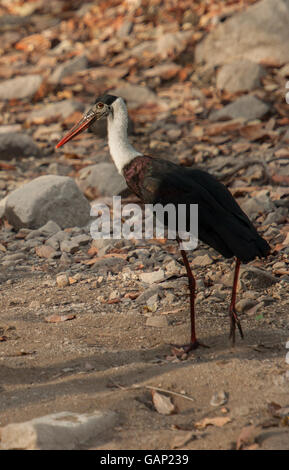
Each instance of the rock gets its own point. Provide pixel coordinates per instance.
(50, 228)
(135, 95)
(102, 179)
(157, 321)
(69, 246)
(17, 145)
(253, 206)
(46, 198)
(242, 75)
(45, 251)
(59, 431)
(284, 71)
(260, 33)
(68, 68)
(202, 261)
(148, 293)
(248, 107)
(152, 302)
(62, 109)
(172, 44)
(20, 87)
(10, 128)
(104, 265)
(245, 304)
(219, 398)
(62, 280)
(125, 29)
(151, 278)
(3, 206)
(258, 278)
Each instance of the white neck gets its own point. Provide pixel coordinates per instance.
(121, 150)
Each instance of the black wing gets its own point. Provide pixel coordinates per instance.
(222, 223)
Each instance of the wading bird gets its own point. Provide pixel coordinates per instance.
(222, 223)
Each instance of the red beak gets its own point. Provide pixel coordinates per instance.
(83, 124)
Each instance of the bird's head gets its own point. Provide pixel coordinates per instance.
(102, 108)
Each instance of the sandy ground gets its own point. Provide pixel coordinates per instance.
(106, 361)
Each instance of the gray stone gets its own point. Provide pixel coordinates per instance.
(148, 293)
(245, 304)
(258, 278)
(68, 68)
(151, 278)
(3, 206)
(50, 228)
(62, 109)
(59, 431)
(204, 260)
(69, 246)
(260, 33)
(104, 265)
(247, 107)
(102, 179)
(253, 206)
(81, 240)
(241, 75)
(48, 197)
(17, 145)
(20, 87)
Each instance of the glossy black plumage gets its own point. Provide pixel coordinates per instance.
(222, 223)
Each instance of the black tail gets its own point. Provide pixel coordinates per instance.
(235, 237)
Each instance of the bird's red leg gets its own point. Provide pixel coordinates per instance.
(194, 343)
(232, 311)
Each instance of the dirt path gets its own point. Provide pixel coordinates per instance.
(105, 361)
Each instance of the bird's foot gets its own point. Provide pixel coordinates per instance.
(185, 349)
(234, 320)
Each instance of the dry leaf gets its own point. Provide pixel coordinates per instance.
(59, 318)
(182, 438)
(163, 404)
(3, 338)
(219, 421)
(247, 437)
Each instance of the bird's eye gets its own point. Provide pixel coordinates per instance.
(100, 105)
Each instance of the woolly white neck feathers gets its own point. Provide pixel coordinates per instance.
(121, 150)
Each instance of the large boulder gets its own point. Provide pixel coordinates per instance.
(246, 107)
(260, 33)
(240, 75)
(101, 179)
(20, 87)
(48, 197)
(17, 145)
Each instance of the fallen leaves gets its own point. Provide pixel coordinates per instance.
(162, 404)
(247, 438)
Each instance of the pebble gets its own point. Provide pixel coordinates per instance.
(62, 280)
(219, 398)
(152, 277)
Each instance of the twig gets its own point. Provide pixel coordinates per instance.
(167, 391)
(151, 387)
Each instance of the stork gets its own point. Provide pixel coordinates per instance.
(222, 223)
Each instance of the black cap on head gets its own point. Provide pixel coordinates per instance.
(106, 99)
